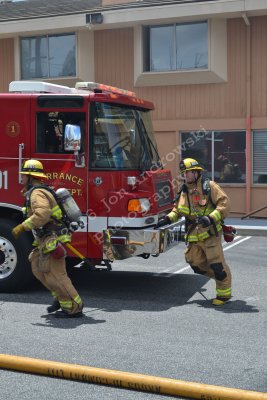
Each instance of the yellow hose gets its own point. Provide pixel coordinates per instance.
(74, 251)
(127, 380)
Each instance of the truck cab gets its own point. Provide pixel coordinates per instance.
(98, 142)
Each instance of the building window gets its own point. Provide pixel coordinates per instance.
(222, 154)
(260, 157)
(176, 47)
(49, 56)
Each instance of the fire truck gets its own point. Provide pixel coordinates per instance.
(97, 141)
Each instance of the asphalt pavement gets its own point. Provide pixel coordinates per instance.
(150, 317)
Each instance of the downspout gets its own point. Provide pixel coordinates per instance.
(248, 116)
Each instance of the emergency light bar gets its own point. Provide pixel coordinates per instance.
(38, 87)
(93, 86)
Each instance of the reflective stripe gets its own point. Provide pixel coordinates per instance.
(77, 299)
(49, 246)
(209, 210)
(52, 243)
(67, 304)
(219, 227)
(56, 212)
(173, 216)
(201, 236)
(64, 238)
(183, 210)
(28, 224)
(54, 294)
(216, 215)
(224, 292)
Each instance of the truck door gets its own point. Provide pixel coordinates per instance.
(15, 144)
(53, 118)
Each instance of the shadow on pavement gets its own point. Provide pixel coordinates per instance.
(233, 306)
(116, 291)
(72, 323)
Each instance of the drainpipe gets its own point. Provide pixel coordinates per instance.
(248, 116)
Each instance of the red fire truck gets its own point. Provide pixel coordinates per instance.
(96, 141)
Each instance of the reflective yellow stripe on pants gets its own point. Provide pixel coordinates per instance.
(66, 305)
(223, 292)
(77, 299)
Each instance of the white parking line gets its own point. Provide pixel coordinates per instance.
(165, 273)
(239, 241)
(225, 244)
(179, 271)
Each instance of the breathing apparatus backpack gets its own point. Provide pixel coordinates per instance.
(71, 213)
(70, 210)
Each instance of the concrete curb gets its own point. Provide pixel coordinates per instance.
(126, 380)
(248, 227)
(246, 230)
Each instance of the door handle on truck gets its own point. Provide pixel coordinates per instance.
(21, 147)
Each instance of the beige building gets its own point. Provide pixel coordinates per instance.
(202, 63)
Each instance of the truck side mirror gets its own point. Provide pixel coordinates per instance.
(72, 138)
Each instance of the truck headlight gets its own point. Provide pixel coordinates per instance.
(139, 205)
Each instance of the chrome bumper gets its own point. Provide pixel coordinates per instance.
(122, 244)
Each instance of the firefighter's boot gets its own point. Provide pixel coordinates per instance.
(54, 307)
(65, 314)
(222, 296)
(220, 301)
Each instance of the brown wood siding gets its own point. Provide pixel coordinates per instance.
(259, 66)
(188, 107)
(114, 65)
(258, 196)
(220, 100)
(7, 63)
(114, 57)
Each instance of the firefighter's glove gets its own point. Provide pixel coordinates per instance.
(163, 221)
(204, 221)
(17, 231)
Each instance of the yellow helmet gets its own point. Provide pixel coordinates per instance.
(34, 168)
(189, 164)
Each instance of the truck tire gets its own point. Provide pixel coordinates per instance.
(15, 269)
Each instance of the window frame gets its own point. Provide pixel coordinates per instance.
(47, 37)
(217, 60)
(173, 46)
(253, 156)
(211, 134)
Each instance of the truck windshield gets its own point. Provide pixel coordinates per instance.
(122, 137)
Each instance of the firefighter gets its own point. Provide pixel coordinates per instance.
(44, 219)
(204, 205)
(229, 172)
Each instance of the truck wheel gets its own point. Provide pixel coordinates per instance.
(15, 270)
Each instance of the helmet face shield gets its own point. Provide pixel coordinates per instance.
(34, 168)
(189, 164)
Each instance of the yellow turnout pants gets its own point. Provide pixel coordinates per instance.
(206, 257)
(52, 274)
